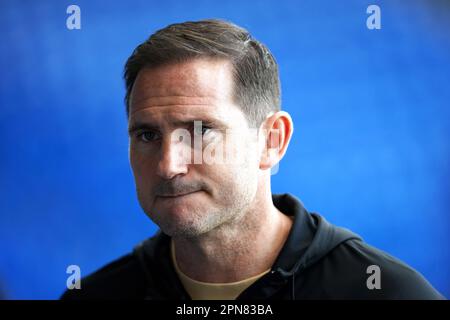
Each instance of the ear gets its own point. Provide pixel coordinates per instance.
(277, 131)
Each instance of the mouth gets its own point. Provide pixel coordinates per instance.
(171, 196)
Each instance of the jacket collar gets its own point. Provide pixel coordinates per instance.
(297, 243)
(300, 235)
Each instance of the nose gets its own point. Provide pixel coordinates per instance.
(173, 158)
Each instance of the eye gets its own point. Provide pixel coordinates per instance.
(204, 130)
(148, 136)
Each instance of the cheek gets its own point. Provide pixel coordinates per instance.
(233, 185)
(142, 167)
(228, 179)
(245, 173)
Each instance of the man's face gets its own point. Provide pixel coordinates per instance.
(184, 196)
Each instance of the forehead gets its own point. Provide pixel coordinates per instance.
(196, 88)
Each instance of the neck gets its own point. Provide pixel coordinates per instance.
(237, 250)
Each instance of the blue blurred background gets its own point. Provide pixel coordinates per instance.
(370, 150)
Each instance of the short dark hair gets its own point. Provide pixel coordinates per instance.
(255, 71)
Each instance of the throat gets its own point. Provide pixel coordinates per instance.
(234, 256)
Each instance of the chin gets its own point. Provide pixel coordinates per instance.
(177, 220)
(185, 230)
(180, 205)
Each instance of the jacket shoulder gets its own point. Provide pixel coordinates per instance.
(374, 274)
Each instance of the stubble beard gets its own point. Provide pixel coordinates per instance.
(201, 221)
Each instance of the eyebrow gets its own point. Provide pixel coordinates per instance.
(138, 126)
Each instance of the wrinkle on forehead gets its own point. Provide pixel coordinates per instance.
(196, 82)
(225, 116)
(171, 101)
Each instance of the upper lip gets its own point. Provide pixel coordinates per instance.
(176, 194)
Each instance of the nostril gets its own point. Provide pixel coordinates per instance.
(169, 168)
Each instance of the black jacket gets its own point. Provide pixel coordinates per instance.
(318, 261)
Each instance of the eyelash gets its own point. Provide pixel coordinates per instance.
(142, 134)
(142, 138)
(205, 128)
